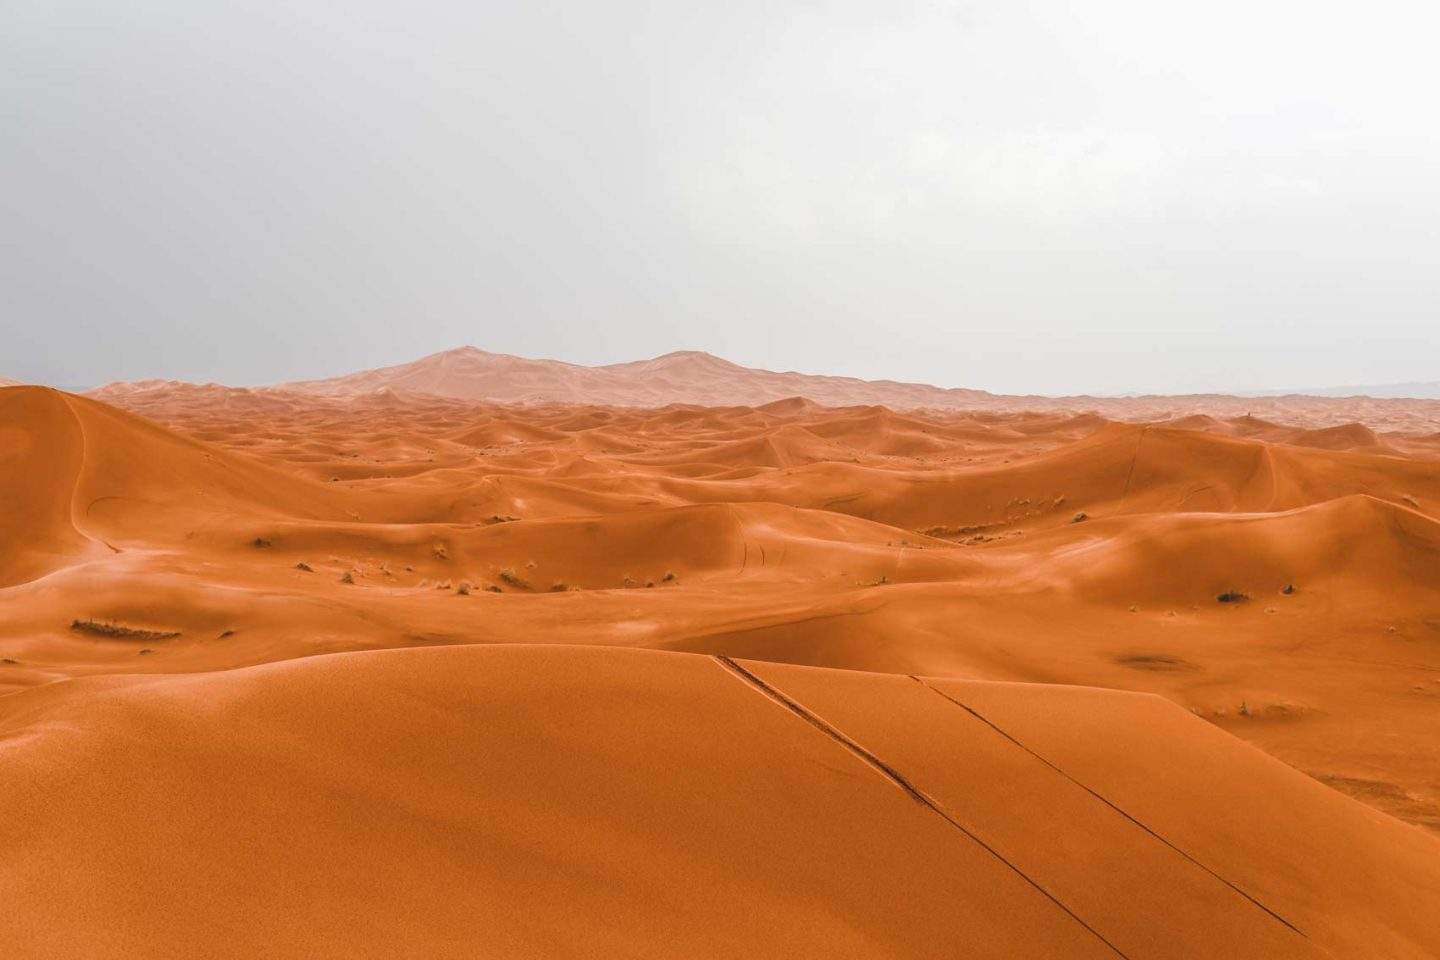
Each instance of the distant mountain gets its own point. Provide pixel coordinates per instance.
(468, 373)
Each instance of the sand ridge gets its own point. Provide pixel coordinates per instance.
(604, 660)
(360, 792)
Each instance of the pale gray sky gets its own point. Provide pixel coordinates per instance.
(1018, 196)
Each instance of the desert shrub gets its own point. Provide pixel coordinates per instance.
(105, 628)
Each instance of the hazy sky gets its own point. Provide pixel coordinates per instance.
(1019, 196)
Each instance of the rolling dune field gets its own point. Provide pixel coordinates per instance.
(388, 673)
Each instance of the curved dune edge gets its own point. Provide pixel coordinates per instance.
(421, 800)
(911, 543)
(77, 474)
(571, 801)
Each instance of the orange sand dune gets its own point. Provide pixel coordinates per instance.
(567, 801)
(80, 471)
(616, 680)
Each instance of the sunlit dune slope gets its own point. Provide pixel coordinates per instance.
(1119, 469)
(1372, 550)
(78, 471)
(442, 801)
(41, 456)
(523, 601)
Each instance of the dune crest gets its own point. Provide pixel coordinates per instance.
(390, 672)
(506, 781)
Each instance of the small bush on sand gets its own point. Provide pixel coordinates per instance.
(1080, 517)
(514, 579)
(302, 565)
(104, 628)
(464, 589)
(1232, 596)
(260, 543)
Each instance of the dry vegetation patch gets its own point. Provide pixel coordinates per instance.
(118, 631)
(514, 579)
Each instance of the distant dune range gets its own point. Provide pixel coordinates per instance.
(690, 377)
(381, 671)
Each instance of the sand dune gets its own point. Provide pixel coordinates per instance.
(83, 476)
(702, 807)
(692, 377)
(684, 377)
(585, 660)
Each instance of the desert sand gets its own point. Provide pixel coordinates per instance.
(694, 377)
(385, 668)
